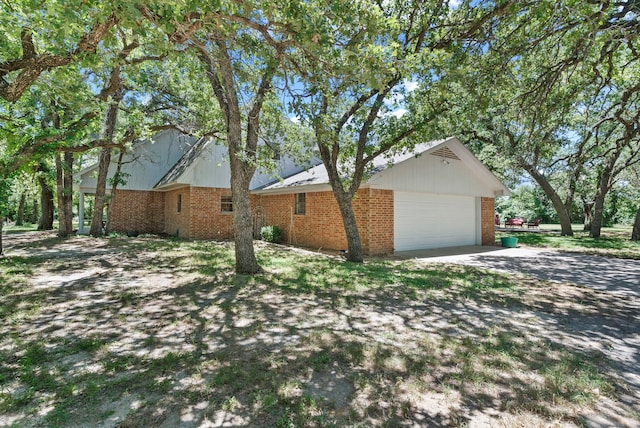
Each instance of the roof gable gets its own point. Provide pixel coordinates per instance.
(180, 167)
(384, 169)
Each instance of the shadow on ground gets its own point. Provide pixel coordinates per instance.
(160, 333)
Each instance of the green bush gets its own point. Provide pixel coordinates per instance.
(271, 234)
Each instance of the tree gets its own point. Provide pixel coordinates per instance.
(4, 206)
(64, 190)
(241, 47)
(352, 99)
(73, 31)
(46, 197)
(560, 104)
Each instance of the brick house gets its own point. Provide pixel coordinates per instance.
(436, 195)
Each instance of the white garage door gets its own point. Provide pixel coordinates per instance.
(433, 221)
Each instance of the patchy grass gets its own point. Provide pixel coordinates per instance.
(25, 227)
(160, 332)
(614, 241)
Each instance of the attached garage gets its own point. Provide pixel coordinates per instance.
(435, 195)
(425, 220)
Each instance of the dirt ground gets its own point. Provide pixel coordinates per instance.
(335, 356)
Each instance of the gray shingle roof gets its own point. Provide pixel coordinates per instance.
(318, 174)
(185, 161)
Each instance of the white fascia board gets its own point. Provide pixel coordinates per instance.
(295, 189)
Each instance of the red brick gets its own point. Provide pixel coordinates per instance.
(488, 216)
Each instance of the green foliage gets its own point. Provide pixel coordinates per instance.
(528, 202)
(271, 234)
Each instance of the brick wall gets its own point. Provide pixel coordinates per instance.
(207, 219)
(321, 226)
(488, 215)
(177, 223)
(137, 210)
(381, 223)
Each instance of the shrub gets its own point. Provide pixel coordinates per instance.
(271, 234)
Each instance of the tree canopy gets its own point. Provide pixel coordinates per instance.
(549, 88)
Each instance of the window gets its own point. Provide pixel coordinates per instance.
(301, 203)
(179, 202)
(226, 204)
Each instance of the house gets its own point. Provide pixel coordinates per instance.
(436, 195)
(174, 184)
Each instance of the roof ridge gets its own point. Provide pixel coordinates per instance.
(185, 161)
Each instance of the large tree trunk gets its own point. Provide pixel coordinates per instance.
(46, 201)
(20, 214)
(246, 261)
(354, 251)
(103, 166)
(242, 157)
(558, 205)
(101, 186)
(242, 171)
(114, 187)
(64, 182)
(635, 234)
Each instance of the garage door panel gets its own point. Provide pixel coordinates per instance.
(433, 221)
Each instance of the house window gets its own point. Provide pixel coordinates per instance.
(301, 203)
(226, 204)
(179, 202)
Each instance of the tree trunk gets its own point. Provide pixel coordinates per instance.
(1, 227)
(241, 173)
(62, 223)
(114, 187)
(587, 208)
(598, 211)
(20, 214)
(103, 166)
(101, 185)
(64, 183)
(598, 206)
(68, 191)
(246, 262)
(354, 251)
(242, 157)
(558, 205)
(635, 234)
(35, 215)
(46, 201)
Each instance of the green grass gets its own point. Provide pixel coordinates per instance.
(26, 227)
(276, 348)
(614, 241)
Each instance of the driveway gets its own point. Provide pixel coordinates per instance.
(618, 276)
(619, 339)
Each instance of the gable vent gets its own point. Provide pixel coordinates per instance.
(445, 152)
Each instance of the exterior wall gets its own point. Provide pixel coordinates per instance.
(177, 223)
(381, 224)
(138, 210)
(149, 160)
(428, 174)
(207, 221)
(322, 227)
(488, 215)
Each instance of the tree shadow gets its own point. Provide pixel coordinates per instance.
(173, 338)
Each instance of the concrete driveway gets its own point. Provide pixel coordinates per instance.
(618, 276)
